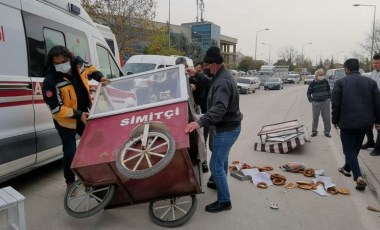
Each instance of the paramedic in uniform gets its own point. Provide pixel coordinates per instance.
(66, 92)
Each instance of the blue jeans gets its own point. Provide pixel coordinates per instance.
(352, 140)
(219, 161)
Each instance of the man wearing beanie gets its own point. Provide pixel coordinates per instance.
(224, 114)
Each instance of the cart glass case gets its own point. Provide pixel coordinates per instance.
(141, 91)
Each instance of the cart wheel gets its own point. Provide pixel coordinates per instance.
(172, 212)
(81, 201)
(136, 162)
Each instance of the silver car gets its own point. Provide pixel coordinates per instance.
(308, 79)
(247, 85)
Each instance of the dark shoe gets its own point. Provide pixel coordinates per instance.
(314, 134)
(368, 145)
(360, 185)
(211, 184)
(344, 172)
(327, 135)
(374, 153)
(218, 207)
(211, 179)
(204, 167)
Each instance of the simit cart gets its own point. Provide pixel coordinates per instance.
(134, 149)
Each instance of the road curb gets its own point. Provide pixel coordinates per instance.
(373, 182)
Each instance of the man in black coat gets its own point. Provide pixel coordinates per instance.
(355, 109)
(223, 112)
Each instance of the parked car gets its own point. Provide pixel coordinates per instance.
(252, 72)
(246, 85)
(332, 75)
(274, 83)
(256, 82)
(293, 78)
(142, 63)
(308, 79)
(234, 72)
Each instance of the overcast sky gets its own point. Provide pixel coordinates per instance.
(332, 26)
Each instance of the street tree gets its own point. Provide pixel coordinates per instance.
(281, 62)
(189, 48)
(246, 63)
(320, 65)
(332, 64)
(289, 54)
(158, 44)
(366, 45)
(130, 20)
(258, 64)
(364, 61)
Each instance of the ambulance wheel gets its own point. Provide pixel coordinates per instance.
(81, 201)
(135, 162)
(173, 212)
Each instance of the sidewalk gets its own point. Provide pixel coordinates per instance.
(370, 166)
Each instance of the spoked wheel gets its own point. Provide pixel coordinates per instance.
(81, 201)
(137, 162)
(173, 212)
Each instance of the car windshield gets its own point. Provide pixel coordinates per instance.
(310, 77)
(293, 76)
(131, 68)
(243, 80)
(143, 90)
(273, 80)
(339, 74)
(264, 73)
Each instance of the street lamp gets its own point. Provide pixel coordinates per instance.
(269, 51)
(257, 32)
(337, 55)
(309, 43)
(373, 28)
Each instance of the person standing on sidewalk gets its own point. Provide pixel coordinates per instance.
(66, 92)
(319, 95)
(355, 109)
(223, 112)
(370, 138)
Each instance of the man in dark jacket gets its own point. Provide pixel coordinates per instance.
(224, 114)
(355, 109)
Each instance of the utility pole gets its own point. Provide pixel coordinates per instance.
(169, 24)
(197, 10)
(202, 6)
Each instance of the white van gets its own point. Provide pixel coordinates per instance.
(111, 41)
(28, 29)
(142, 63)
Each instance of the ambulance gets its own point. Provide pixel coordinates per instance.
(28, 29)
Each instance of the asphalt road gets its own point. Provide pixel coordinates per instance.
(44, 188)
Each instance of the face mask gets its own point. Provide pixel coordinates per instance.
(320, 78)
(207, 72)
(63, 68)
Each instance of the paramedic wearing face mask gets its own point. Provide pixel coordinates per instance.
(66, 92)
(319, 95)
